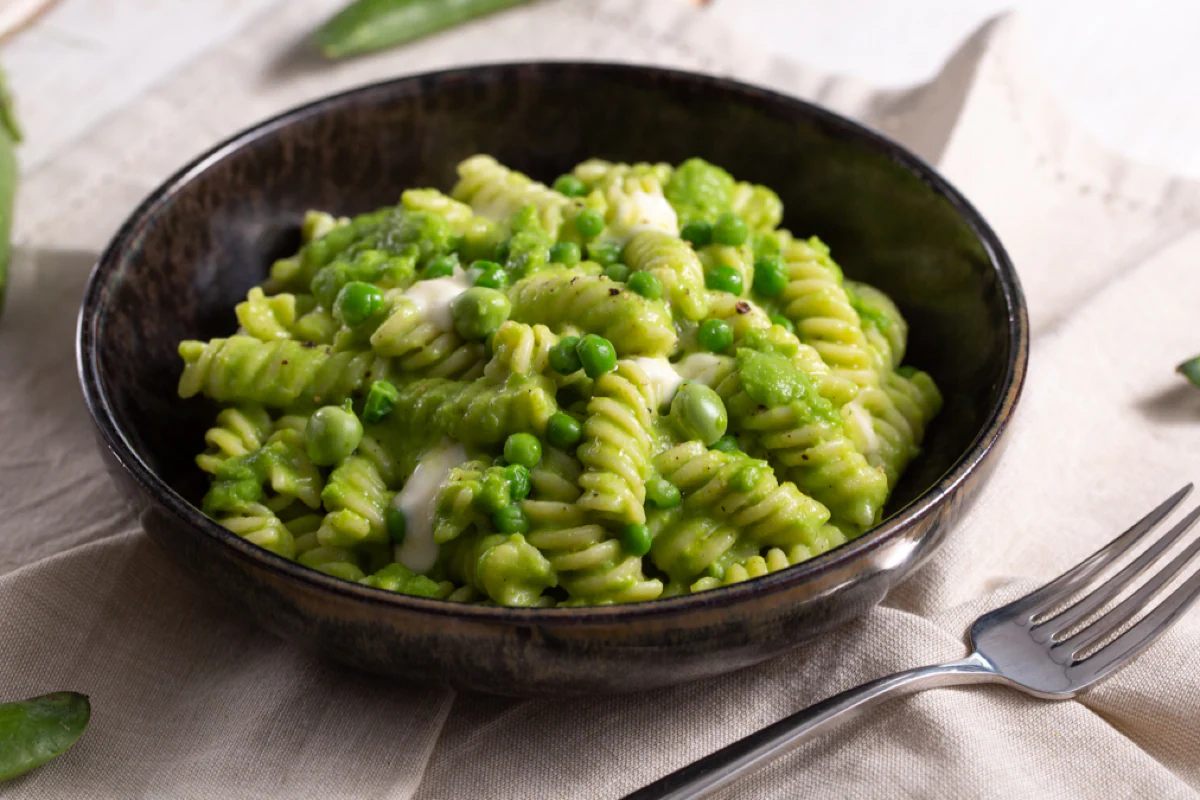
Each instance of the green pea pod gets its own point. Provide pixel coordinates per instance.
(36, 730)
(10, 134)
(1190, 369)
(368, 25)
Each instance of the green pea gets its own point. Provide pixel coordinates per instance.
(746, 478)
(397, 525)
(589, 223)
(636, 539)
(381, 399)
(715, 335)
(783, 322)
(563, 430)
(726, 444)
(724, 279)
(617, 272)
(698, 413)
(491, 275)
(565, 253)
(604, 252)
(519, 482)
(357, 302)
(494, 492)
(729, 229)
(698, 232)
(570, 186)
(510, 519)
(523, 449)
(597, 355)
(564, 356)
(478, 311)
(440, 267)
(661, 493)
(38, 729)
(331, 435)
(770, 275)
(645, 284)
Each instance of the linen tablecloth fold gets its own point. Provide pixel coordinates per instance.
(192, 702)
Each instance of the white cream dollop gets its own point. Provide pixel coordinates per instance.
(642, 211)
(664, 380)
(418, 551)
(434, 297)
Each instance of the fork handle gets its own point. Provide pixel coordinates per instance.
(714, 771)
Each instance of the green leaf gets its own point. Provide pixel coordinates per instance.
(10, 134)
(1190, 369)
(36, 730)
(8, 116)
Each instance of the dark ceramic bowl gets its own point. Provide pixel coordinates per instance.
(190, 252)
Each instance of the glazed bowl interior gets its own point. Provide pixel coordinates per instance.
(193, 249)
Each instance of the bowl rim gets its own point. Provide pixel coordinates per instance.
(92, 313)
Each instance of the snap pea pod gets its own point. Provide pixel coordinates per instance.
(1190, 369)
(10, 134)
(36, 730)
(368, 25)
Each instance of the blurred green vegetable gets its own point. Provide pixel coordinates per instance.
(36, 730)
(1190, 369)
(10, 135)
(368, 25)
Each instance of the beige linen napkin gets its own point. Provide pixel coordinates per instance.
(192, 702)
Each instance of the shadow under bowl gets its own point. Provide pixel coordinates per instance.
(190, 252)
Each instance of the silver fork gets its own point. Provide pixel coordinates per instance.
(1028, 644)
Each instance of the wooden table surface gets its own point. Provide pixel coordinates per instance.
(1128, 74)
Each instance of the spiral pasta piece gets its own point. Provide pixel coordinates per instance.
(357, 497)
(589, 561)
(506, 568)
(882, 323)
(615, 451)
(276, 374)
(816, 302)
(431, 201)
(769, 512)
(811, 448)
(675, 264)
(685, 547)
(338, 562)
(758, 206)
(239, 430)
(497, 192)
(556, 477)
(559, 298)
(259, 525)
(289, 471)
(520, 349)
(603, 175)
(476, 413)
(774, 560)
(454, 510)
(420, 347)
(267, 318)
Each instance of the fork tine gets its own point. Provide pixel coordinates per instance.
(1133, 641)
(1113, 586)
(1067, 583)
(1131, 605)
